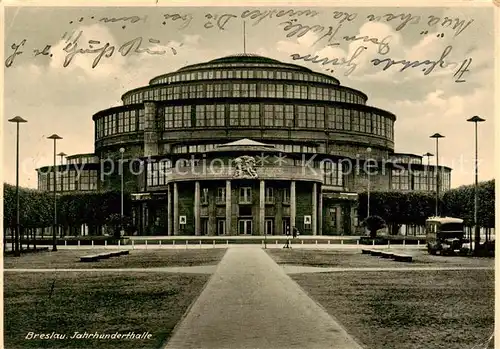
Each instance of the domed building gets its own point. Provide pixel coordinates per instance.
(245, 145)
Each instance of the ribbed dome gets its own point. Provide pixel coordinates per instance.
(245, 58)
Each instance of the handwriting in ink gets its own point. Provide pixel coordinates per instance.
(16, 47)
(107, 50)
(349, 62)
(415, 64)
(72, 50)
(220, 21)
(259, 15)
(131, 19)
(186, 18)
(44, 52)
(446, 22)
(383, 45)
(136, 43)
(462, 70)
(298, 29)
(344, 16)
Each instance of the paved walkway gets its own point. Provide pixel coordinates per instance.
(251, 303)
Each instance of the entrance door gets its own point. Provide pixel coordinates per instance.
(286, 225)
(204, 226)
(221, 226)
(245, 226)
(269, 227)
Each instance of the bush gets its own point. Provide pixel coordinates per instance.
(373, 224)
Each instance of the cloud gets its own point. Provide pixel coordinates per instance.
(93, 37)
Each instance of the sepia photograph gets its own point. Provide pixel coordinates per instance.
(249, 175)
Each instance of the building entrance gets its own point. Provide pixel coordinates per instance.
(285, 225)
(245, 227)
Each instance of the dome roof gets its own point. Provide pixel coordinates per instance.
(244, 58)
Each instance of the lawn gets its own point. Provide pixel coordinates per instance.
(136, 259)
(354, 259)
(65, 302)
(402, 310)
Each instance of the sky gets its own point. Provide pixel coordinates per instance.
(62, 100)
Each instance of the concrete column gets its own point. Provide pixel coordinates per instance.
(228, 207)
(169, 210)
(262, 207)
(197, 220)
(320, 212)
(292, 205)
(151, 134)
(212, 212)
(176, 210)
(314, 214)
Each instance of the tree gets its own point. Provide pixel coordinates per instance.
(398, 208)
(373, 224)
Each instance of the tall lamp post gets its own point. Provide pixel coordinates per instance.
(368, 150)
(62, 155)
(122, 150)
(54, 137)
(428, 155)
(17, 120)
(437, 136)
(477, 237)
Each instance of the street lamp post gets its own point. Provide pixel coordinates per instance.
(17, 120)
(54, 137)
(62, 155)
(477, 237)
(122, 150)
(368, 150)
(428, 155)
(437, 136)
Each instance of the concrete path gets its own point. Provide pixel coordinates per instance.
(251, 303)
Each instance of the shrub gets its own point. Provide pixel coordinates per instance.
(373, 224)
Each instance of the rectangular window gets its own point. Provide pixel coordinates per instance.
(204, 196)
(269, 195)
(236, 90)
(192, 91)
(279, 91)
(233, 115)
(362, 123)
(279, 116)
(339, 118)
(199, 91)
(220, 116)
(301, 116)
(268, 115)
(209, 114)
(289, 116)
(169, 117)
(221, 196)
(355, 120)
(254, 115)
(286, 195)
(200, 116)
(245, 195)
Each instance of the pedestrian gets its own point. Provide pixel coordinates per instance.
(287, 233)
